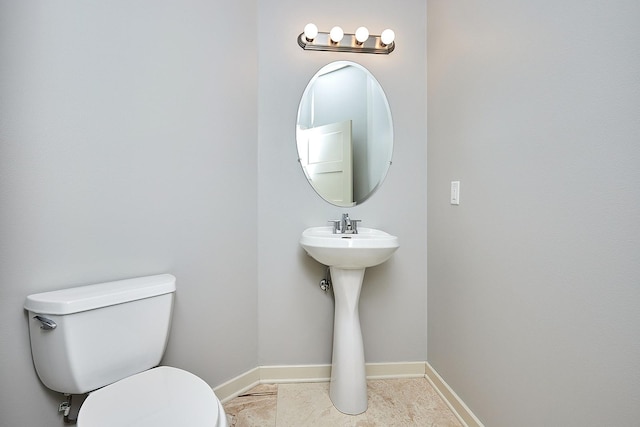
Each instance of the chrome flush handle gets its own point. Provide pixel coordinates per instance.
(46, 324)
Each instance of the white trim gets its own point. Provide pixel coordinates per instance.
(309, 374)
(295, 374)
(379, 371)
(322, 373)
(457, 406)
(238, 385)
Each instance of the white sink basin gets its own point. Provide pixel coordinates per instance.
(348, 255)
(367, 248)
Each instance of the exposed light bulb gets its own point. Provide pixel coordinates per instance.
(387, 37)
(310, 31)
(336, 34)
(362, 34)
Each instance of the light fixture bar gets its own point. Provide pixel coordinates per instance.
(348, 44)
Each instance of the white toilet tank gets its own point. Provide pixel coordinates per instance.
(86, 337)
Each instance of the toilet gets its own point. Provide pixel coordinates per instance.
(107, 340)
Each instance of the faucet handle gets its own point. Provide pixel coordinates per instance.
(354, 225)
(336, 225)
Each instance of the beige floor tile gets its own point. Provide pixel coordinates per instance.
(395, 402)
(255, 408)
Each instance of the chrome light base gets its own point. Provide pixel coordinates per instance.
(348, 44)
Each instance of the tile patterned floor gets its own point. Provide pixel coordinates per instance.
(392, 402)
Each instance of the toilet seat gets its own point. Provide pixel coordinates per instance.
(160, 397)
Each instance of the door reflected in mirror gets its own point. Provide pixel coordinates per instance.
(344, 133)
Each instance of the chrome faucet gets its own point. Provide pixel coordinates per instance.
(345, 225)
(346, 222)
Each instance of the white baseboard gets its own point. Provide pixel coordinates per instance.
(459, 408)
(295, 374)
(322, 373)
(238, 385)
(380, 371)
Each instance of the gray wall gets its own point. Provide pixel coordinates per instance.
(295, 317)
(130, 141)
(128, 147)
(534, 279)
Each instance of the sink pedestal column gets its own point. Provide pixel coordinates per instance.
(348, 388)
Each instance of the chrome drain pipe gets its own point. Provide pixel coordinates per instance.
(325, 284)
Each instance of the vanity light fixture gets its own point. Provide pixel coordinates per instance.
(387, 37)
(338, 41)
(336, 35)
(362, 34)
(310, 32)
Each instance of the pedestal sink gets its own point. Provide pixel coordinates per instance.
(348, 255)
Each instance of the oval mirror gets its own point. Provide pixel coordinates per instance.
(344, 133)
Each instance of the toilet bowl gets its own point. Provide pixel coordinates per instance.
(107, 340)
(160, 397)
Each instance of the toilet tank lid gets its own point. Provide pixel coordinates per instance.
(89, 297)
